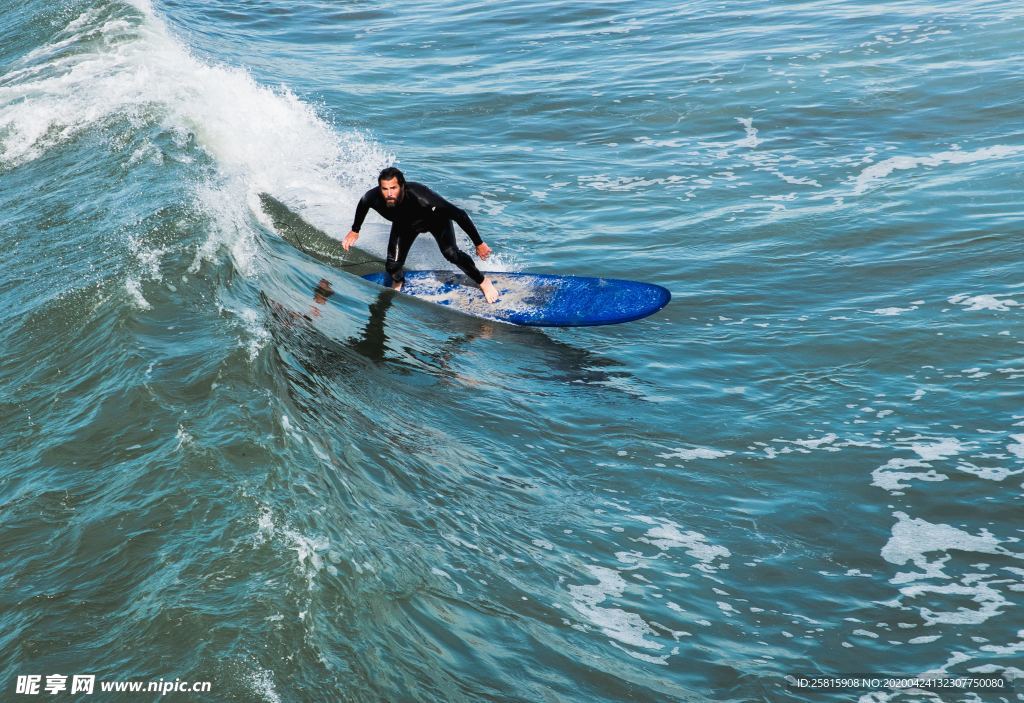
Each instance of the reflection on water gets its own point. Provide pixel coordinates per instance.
(532, 353)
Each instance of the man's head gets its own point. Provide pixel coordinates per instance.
(392, 185)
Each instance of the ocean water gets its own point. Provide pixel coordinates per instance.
(810, 462)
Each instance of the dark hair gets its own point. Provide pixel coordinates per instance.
(391, 172)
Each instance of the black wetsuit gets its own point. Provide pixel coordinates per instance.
(420, 210)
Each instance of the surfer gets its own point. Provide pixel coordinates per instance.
(412, 209)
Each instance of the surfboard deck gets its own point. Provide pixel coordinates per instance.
(536, 299)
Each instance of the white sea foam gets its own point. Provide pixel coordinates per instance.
(865, 633)
(912, 539)
(261, 681)
(308, 550)
(1010, 649)
(261, 139)
(695, 544)
(258, 336)
(892, 475)
(662, 143)
(792, 180)
(726, 608)
(694, 453)
(134, 289)
(1017, 449)
(264, 526)
(984, 302)
(989, 473)
(817, 442)
(183, 437)
(990, 601)
(665, 534)
(939, 449)
(621, 625)
(930, 547)
(751, 140)
(876, 172)
(604, 182)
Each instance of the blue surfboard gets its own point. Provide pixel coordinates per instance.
(536, 299)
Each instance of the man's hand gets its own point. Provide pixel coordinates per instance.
(350, 239)
(482, 250)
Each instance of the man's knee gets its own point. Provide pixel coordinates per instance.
(452, 254)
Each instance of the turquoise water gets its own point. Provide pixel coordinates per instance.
(810, 462)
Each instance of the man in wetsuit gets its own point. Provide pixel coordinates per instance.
(412, 209)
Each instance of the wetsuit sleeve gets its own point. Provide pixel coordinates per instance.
(461, 218)
(447, 210)
(362, 208)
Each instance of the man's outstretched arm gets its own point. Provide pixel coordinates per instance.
(362, 208)
(449, 211)
(461, 218)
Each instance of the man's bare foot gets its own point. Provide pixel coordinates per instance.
(397, 285)
(490, 292)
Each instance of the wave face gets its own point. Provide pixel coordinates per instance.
(226, 459)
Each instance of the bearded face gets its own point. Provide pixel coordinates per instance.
(391, 189)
